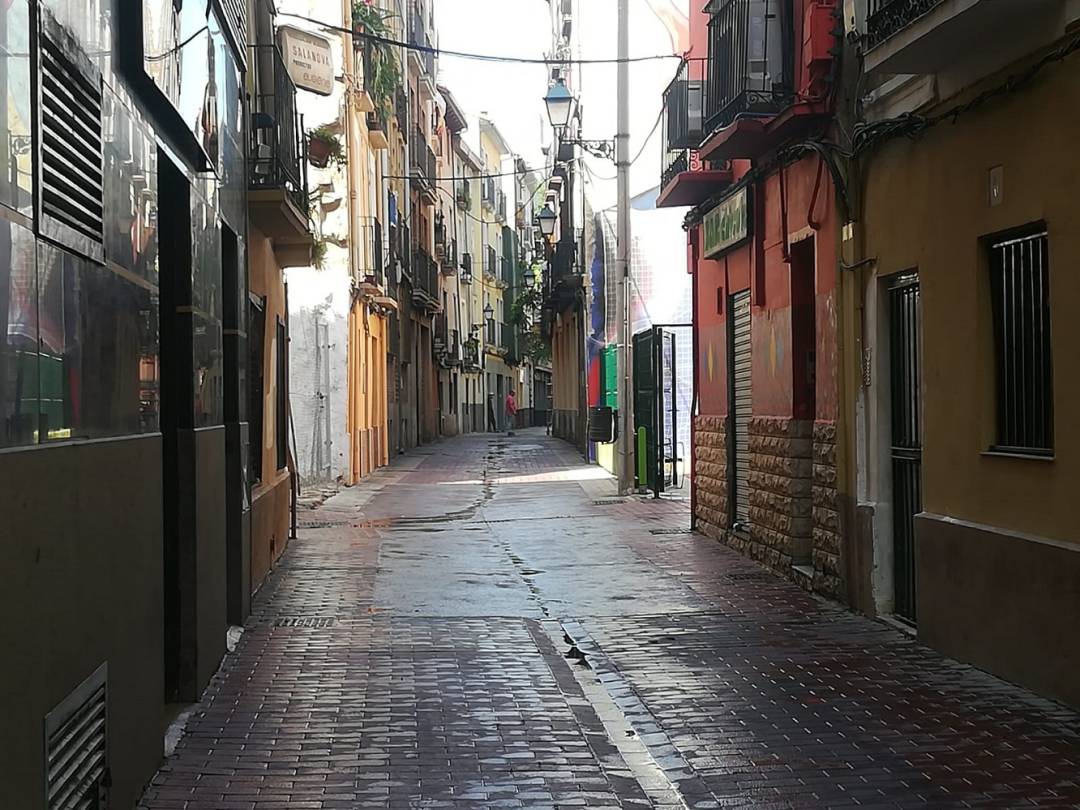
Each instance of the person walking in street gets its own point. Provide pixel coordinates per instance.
(511, 413)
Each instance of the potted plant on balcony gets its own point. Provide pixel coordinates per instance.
(385, 76)
(324, 147)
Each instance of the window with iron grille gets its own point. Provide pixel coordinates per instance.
(1020, 298)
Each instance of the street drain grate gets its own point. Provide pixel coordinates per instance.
(750, 576)
(609, 502)
(314, 622)
(323, 524)
(669, 531)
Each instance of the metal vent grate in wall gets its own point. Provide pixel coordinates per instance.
(76, 764)
(71, 140)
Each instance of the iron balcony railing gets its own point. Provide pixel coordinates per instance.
(684, 118)
(401, 111)
(466, 267)
(278, 156)
(402, 250)
(888, 17)
(491, 263)
(504, 270)
(370, 264)
(421, 42)
(464, 195)
(424, 273)
(500, 206)
(422, 158)
(751, 60)
(488, 192)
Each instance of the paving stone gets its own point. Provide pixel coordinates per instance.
(400, 657)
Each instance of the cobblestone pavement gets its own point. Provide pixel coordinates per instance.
(484, 625)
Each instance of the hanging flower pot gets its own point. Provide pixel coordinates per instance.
(323, 147)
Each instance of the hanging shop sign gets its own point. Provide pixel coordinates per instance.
(308, 60)
(726, 225)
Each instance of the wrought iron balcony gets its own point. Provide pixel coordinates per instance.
(488, 195)
(425, 281)
(464, 195)
(500, 206)
(751, 60)
(491, 263)
(422, 158)
(371, 267)
(888, 17)
(277, 165)
(418, 37)
(686, 179)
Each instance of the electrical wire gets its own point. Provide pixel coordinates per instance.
(483, 57)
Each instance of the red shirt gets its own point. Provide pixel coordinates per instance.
(511, 405)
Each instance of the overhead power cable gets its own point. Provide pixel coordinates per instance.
(482, 57)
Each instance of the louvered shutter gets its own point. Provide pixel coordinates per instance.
(741, 404)
(71, 193)
(76, 747)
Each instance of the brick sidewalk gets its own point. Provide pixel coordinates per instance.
(401, 657)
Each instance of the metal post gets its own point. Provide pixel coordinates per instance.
(622, 162)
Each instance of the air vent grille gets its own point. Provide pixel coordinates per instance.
(71, 144)
(75, 754)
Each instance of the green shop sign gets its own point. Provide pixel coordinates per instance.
(726, 225)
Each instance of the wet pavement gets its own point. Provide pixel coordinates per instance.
(484, 624)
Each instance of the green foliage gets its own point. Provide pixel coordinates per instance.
(385, 75)
(525, 305)
(325, 135)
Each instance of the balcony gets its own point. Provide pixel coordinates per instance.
(685, 178)
(751, 105)
(418, 37)
(371, 270)
(277, 165)
(491, 264)
(463, 196)
(466, 268)
(500, 206)
(422, 163)
(425, 280)
(505, 275)
(401, 112)
(447, 343)
(376, 127)
(488, 193)
(925, 36)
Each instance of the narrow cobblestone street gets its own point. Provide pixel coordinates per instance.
(482, 624)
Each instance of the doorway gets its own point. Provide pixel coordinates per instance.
(906, 431)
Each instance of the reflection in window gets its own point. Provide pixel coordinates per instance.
(130, 190)
(91, 23)
(98, 350)
(16, 169)
(18, 337)
(207, 312)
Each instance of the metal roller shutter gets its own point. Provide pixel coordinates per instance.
(741, 403)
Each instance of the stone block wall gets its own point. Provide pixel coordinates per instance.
(710, 475)
(826, 512)
(781, 469)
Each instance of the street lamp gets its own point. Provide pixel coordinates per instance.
(547, 219)
(560, 105)
(488, 311)
(530, 279)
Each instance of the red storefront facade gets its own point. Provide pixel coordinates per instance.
(763, 238)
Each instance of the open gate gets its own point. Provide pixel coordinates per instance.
(658, 450)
